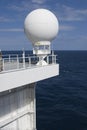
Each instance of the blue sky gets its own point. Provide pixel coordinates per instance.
(72, 16)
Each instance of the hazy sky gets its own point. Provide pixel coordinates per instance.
(72, 16)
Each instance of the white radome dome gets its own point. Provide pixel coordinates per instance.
(41, 25)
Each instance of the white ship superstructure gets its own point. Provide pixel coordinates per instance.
(19, 74)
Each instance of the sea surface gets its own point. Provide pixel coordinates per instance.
(62, 100)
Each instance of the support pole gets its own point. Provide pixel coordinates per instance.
(23, 55)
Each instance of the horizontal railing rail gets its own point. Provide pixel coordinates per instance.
(16, 62)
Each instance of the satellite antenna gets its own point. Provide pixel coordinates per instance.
(41, 27)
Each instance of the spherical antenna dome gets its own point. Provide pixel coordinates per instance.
(41, 25)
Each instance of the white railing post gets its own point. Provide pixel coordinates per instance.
(23, 55)
(55, 59)
(48, 59)
(29, 61)
(3, 65)
(17, 62)
(9, 58)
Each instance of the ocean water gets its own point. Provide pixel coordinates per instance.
(62, 100)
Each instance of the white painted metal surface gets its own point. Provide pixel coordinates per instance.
(22, 77)
(17, 109)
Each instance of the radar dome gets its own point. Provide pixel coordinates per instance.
(41, 25)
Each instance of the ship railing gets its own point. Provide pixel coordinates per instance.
(11, 62)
